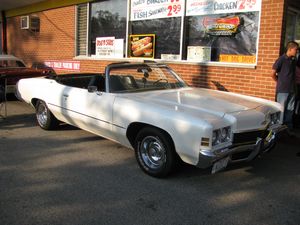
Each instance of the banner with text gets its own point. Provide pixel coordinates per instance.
(155, 9)
(63, 65)
(204, 7)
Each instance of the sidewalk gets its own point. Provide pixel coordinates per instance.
(287, 140)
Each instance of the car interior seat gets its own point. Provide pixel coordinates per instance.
(116, 84)
(129, 82)
(122, 83)
(98, 81)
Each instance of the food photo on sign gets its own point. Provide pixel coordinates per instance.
(221, 26)
(142, 46)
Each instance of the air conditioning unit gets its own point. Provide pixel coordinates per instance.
(24, 22)
(30, 23)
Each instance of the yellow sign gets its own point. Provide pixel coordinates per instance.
(142, 45)
(250, 59)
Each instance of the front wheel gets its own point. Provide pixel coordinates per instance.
(45, 118)
(154, 151)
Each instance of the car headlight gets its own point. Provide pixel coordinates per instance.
(221, 135)
(215, 137)
(225, 134)
(274, 118)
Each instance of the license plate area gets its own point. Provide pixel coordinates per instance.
(220, 165)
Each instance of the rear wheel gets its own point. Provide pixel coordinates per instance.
(154, 151)
(45, 118)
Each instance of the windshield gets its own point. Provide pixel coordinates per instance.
(143, 78)
(11, 64)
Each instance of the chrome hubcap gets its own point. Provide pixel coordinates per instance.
(42, 114)
(153, 152)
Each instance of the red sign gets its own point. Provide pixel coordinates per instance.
(63, 65)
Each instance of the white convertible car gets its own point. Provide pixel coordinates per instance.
(148, 107)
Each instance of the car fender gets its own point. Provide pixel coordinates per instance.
(174, 122)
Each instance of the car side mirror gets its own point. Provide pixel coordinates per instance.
(92, 89)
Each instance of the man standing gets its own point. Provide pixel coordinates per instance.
(284, 74)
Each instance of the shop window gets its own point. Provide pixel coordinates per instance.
(167, 34)
(189, 30)
(228, 37)
(292, 32)
(107, 19)
(163, 20)
(81, 34)
(222, 30)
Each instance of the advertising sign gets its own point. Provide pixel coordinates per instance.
(199, 53)
(142, 45)
(229, 27)
(247, 59)
(155, 9)
(221, 26)
(63, 65)
(105, 46)
(109, 47)
(204, 7)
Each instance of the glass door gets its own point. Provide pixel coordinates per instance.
(292, 32)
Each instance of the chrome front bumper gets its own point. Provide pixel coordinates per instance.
(241, 153)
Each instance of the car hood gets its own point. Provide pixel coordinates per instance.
(211, 101)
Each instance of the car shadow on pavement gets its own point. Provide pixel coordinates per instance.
(17, 121)
(28, 120)
(65, 127)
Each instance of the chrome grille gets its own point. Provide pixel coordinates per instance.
(249, 137)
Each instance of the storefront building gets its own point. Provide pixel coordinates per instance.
(229, 45)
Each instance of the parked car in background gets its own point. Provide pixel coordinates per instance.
(148, 107)
(13, 69)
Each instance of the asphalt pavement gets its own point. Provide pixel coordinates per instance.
(70, 177)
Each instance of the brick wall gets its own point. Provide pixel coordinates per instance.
(56, 40)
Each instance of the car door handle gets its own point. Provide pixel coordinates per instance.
(65, 95)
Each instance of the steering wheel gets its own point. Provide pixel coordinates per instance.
(160, 80)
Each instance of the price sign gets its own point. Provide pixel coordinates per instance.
(155, 9)
(176, 9)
